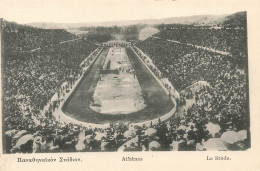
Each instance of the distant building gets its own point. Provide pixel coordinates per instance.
(117, 43)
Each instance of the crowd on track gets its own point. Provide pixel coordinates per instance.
(227, 40)
(189, 133)
(212, 116)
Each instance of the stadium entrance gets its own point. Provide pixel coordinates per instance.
(117, 43)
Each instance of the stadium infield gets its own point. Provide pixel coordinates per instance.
(156, 100)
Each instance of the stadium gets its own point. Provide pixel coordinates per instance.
(162, 87)
(125, 91)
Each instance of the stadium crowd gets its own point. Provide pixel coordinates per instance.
(227, 40)
(211, 117)
(181, 133)
(224, 102)
(21, 38)
(31, 79)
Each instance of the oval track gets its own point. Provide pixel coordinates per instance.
(157, 101)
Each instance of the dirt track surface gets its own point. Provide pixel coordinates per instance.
(157, 102)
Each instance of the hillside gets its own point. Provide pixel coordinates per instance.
(195, 19)
(236, 20)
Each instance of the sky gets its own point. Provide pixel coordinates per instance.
(77, 11)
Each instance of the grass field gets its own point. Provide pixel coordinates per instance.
(156, 100)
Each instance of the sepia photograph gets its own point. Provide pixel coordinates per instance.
(108, 80)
